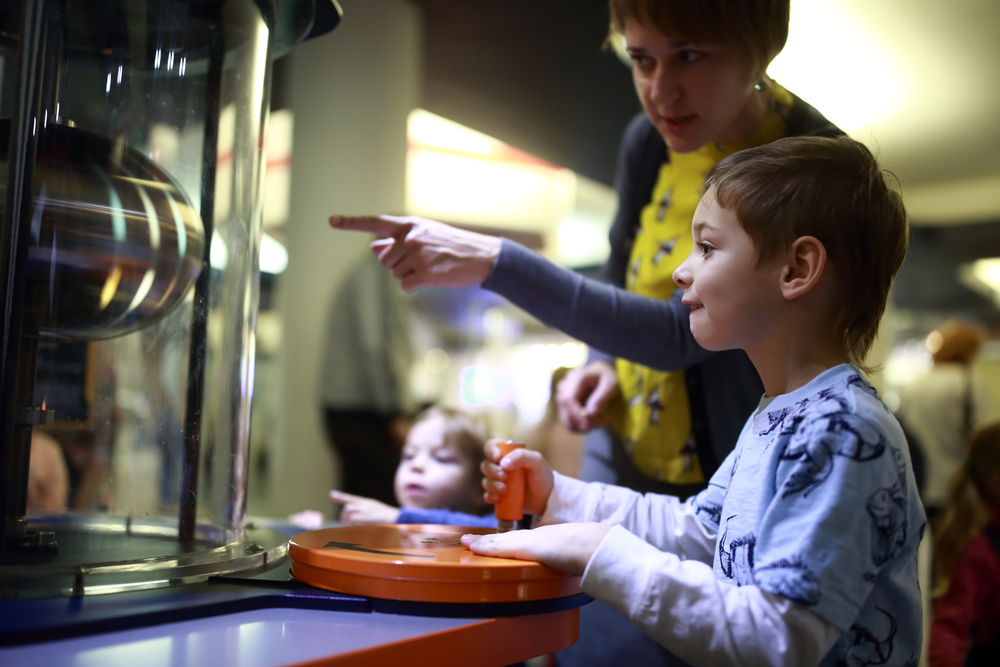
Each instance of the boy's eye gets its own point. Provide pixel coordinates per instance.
(705, 248)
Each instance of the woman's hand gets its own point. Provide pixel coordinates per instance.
(425, 253)
(583, 394)
(567, 547)
(538, 477)
(358, 511)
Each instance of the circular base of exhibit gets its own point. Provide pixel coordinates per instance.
(419, 562)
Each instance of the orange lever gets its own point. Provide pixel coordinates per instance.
(510, 509)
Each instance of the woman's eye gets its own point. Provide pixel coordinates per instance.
(690, 55)
(642, 62)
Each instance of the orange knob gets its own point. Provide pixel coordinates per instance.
(511, 505)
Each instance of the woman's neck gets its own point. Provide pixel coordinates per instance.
(750, 117)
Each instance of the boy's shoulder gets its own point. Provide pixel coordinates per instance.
(840, 506)
(841, 396)
(839, 417)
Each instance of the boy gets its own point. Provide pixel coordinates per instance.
(437, 480)
(802, 550)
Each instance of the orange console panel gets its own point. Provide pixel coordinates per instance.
(424, 563)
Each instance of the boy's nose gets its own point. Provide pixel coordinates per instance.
(682, 275)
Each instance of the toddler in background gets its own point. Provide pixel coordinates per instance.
(966, 626)
(438, 479)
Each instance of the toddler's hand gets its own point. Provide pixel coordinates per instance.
(358, 511)
(566, 547)
(308, 519)
(538, 478)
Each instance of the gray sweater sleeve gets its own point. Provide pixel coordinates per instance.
(648, 331)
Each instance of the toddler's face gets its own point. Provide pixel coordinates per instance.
(436, 474)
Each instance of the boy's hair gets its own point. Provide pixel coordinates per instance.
(758, 29)
(834, 190)
(464, 430)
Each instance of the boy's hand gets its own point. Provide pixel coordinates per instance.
(583, 393)
(567, 547)
(358, 511)
(538, 477)
(425, 253)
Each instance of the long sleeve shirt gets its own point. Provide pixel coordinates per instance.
(801, 551)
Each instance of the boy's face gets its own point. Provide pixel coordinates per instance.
(692, 93)
(434, 473)
(732, 299)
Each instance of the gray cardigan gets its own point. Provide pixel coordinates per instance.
(723, 387)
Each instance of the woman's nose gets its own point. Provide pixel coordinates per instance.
(663, 88)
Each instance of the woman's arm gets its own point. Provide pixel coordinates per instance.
(642, 329)
(425, 253)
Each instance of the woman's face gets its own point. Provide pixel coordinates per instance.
(693, 93)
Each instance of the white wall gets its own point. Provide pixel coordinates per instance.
(351, 91)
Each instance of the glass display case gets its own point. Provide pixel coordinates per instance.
(130, 195)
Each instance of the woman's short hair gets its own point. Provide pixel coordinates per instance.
(835, 191)
(758, 29)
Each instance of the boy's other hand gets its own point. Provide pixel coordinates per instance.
(426, 253)
(567, 547)
(358, 511)
(538, 477)
(582, 395)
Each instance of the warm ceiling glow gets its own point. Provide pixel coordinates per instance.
(469, 189)
(833, 63)
(457, 174)
(432, 131)
(273, 255)
(982, 276)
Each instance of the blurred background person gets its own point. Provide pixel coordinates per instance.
(48, 474)
(940, 408)
(365, 379)
(966, 624)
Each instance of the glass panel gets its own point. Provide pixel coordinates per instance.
(149, 157)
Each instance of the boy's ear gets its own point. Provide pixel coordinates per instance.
(805, 262)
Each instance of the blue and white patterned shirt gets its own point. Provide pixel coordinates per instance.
(818, 504)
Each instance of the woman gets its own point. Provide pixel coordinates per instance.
(673, 410)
